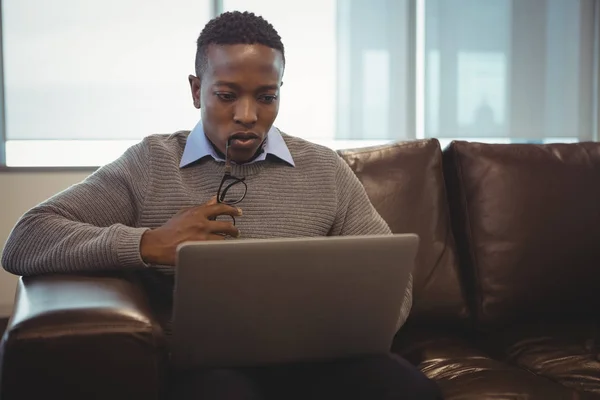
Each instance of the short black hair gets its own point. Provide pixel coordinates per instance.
(235, 27)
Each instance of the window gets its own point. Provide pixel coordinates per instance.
(513, 71)
(340, 85)
(85, 80)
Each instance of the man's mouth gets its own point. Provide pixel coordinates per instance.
(243, 139)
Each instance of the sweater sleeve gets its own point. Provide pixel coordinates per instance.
(90, 226)
(357, 216)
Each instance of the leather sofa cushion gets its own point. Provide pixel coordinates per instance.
(463, 372)
(565, 352)
(404, 181)
(527, 226)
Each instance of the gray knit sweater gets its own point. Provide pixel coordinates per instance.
(97, 224)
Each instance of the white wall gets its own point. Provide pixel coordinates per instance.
(20, 191)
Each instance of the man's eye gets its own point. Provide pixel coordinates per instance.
(268, 98)
(225, 96)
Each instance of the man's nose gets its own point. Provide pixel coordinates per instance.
(245, 112)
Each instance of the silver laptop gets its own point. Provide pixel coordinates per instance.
(262, 302)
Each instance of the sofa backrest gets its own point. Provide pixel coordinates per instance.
(526, 219)
(404, 181)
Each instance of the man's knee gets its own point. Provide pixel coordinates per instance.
(386, 377)
(408, 382)
(215, 384)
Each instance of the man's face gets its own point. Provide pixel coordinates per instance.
(238, 95)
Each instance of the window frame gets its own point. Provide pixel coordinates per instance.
(2, 108)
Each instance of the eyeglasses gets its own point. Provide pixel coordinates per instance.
(232, 190)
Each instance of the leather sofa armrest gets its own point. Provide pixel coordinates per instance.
(77, 337)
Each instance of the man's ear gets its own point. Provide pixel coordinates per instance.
(195, 83)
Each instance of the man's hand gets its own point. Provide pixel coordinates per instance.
(158, 246)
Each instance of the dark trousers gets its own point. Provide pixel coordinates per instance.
(374, 378)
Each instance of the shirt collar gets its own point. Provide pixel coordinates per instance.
(198, 146)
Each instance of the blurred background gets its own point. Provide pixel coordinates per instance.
(83, 79)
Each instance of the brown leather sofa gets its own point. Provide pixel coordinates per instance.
(506, 287)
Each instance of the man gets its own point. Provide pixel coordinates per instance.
(132, 214)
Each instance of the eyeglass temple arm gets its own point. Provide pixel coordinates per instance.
(227, 159)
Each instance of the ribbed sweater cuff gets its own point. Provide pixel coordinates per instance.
(128, 247)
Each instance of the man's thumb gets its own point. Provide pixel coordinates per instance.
(212, 201)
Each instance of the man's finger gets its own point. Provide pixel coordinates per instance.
(222, 227)
(212, 201)
(214, 236)
(222, 209)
